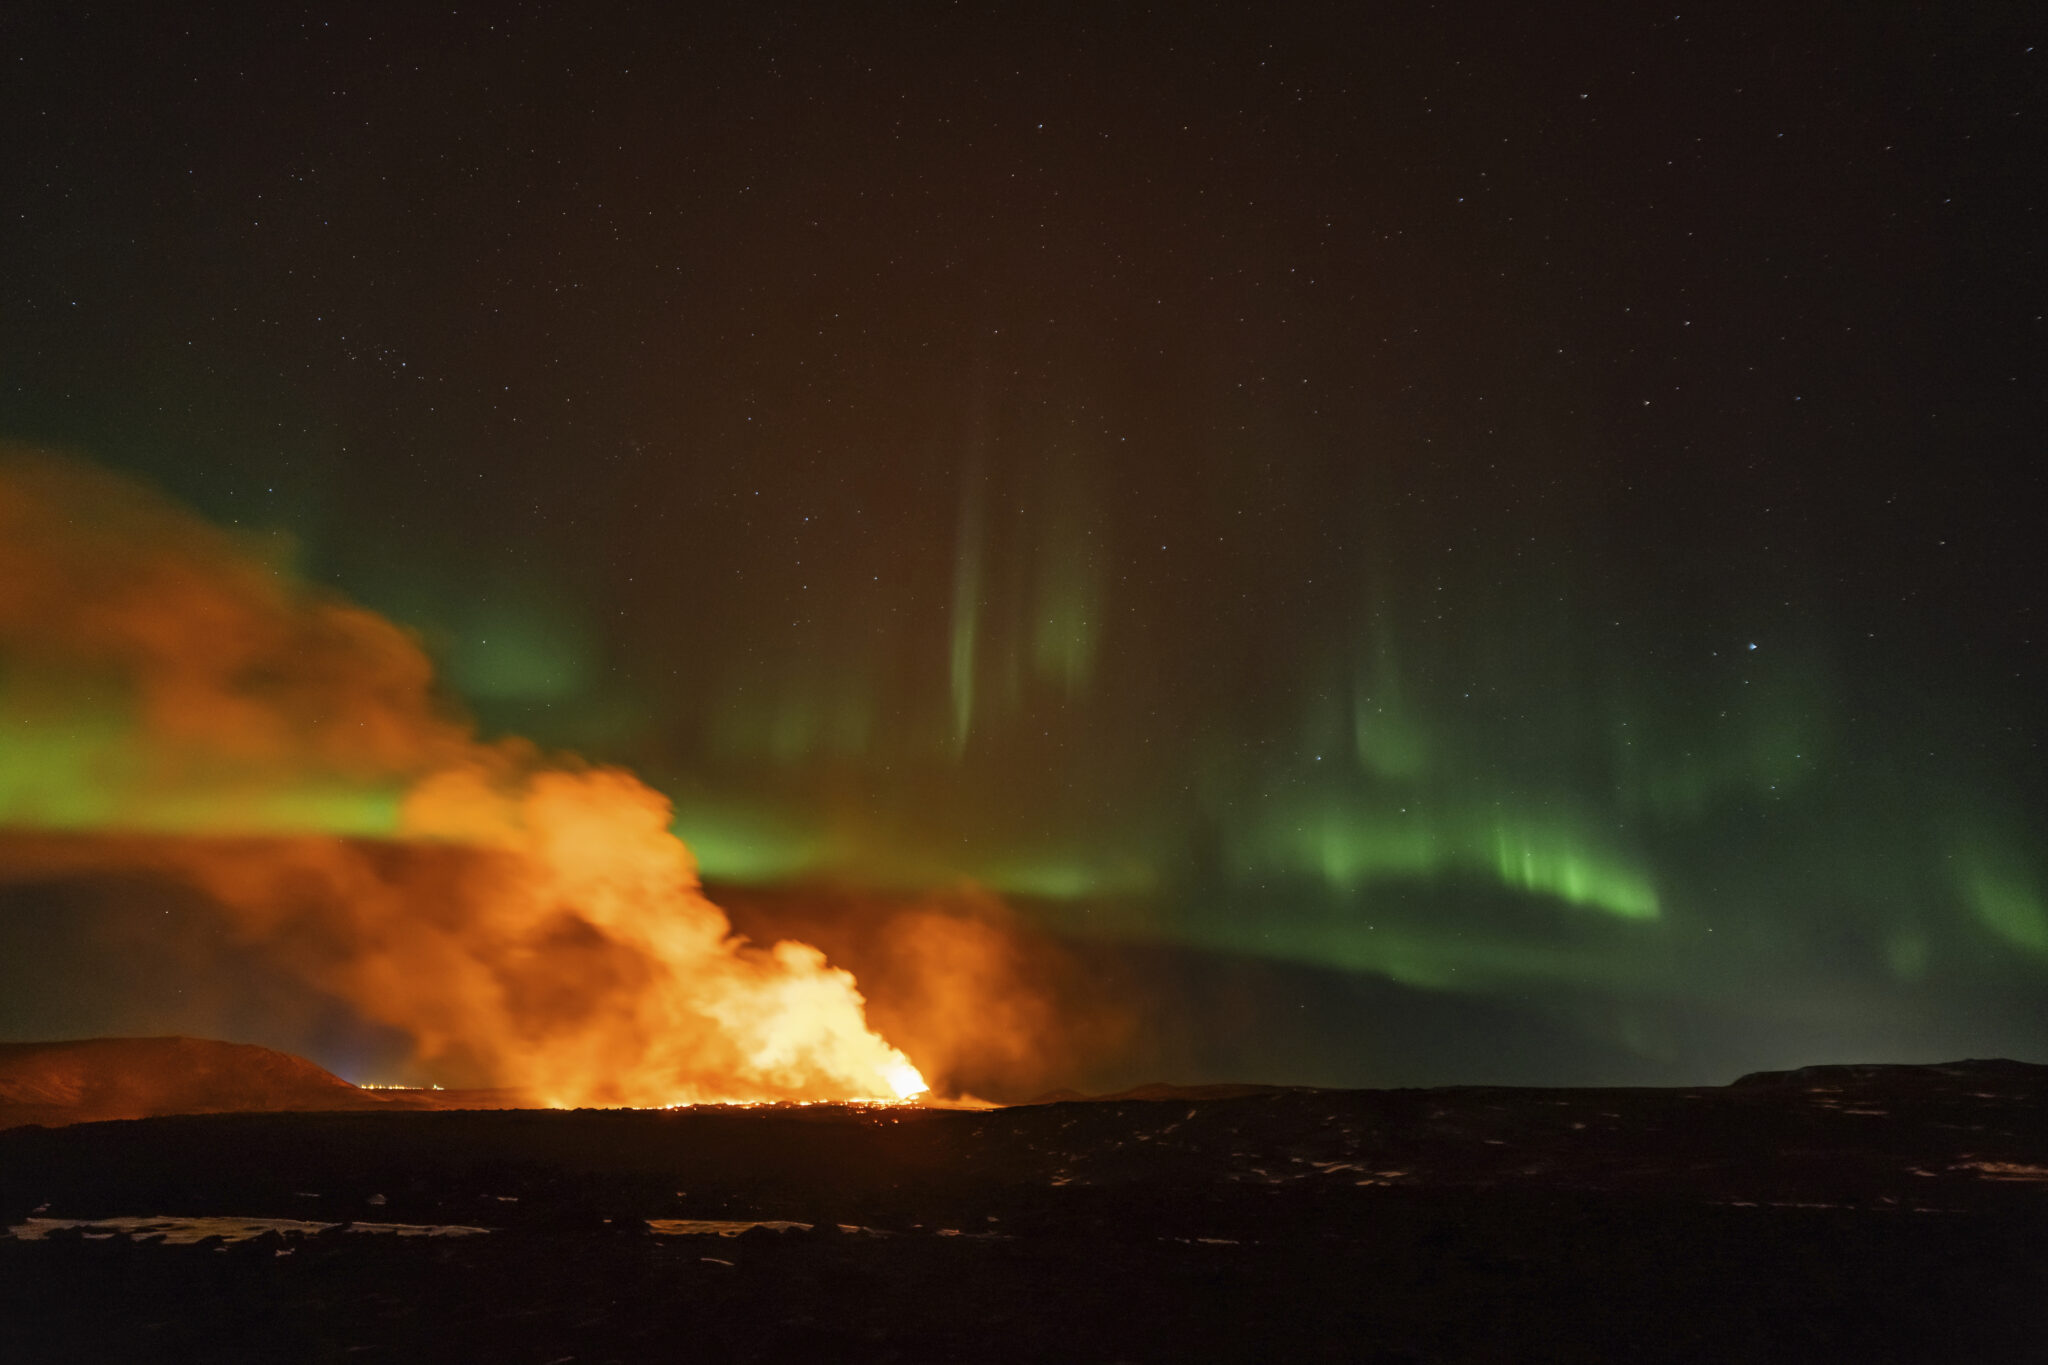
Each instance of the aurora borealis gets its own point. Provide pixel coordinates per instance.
(1523, 522)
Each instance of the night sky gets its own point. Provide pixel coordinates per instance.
(1421, 543)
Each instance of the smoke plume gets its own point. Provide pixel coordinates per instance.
(172, 698)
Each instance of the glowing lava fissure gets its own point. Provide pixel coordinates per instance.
(535, 925)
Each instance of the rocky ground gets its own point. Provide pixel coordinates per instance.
(1866, 1214)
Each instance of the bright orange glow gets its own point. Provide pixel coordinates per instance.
(905, 1080)
(678, 1011)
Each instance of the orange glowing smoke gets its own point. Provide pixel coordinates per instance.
(538, 924)
(988, 1002)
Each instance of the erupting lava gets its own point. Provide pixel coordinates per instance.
(596, 969)
(593, 969)
(534, 925)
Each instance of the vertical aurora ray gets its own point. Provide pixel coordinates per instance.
(1386, 736)
(967, 595)
(1066, 618)
(1067, 599)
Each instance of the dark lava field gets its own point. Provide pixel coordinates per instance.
(1835, 1213)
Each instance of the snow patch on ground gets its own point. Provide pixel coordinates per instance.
(185, 1231)
(2005, 1170)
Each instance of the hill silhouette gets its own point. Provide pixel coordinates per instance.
(89, 1079)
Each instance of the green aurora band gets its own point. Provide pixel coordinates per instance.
(1521, 805)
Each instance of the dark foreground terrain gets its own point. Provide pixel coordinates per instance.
(1852, 1214)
